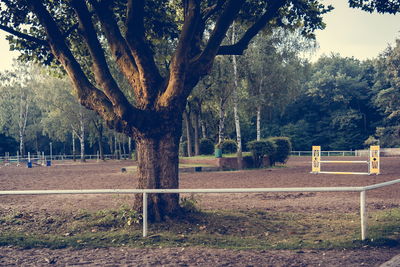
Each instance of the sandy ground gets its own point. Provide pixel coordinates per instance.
(108, 175)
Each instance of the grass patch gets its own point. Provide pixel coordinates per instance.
(254, 229)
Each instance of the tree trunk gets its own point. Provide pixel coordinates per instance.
(203, 127)
(196, 134)
(188, 126)
(73, 146)
(158, 168)
(130, 147)
(115, 146)
(82, 138)
(235, 107)
(23, 119)
(111, 144)
(258, 122)
(82, 143)
(221, 128)
(98, 125)
(101, 150)
(123, 150)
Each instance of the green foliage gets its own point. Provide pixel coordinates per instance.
(228, 146)
(371, 141)
(381, 6)
(206, 146)
(283, 147)
(334, 109)
(7, 144)
(388, 136)
(259, 149)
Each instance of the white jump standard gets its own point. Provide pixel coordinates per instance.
(373, 162)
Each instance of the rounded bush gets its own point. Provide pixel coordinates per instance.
(206, 146)
(259, 149)
(228, 146)
(283, 148)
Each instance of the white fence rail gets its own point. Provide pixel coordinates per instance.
(145, 192)
(61, 157)
(326, 153)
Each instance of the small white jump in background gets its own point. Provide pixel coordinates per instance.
(372, 162)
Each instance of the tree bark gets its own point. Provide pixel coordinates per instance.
(82, 135)
(188, 126)
(101, 149)
(73, 146)
(115, 146)
(221, 128)
(158, 168)
(258, 122)
(123, 150)
(196, 133)
(130, 147)
(23, 119)
(235, 107)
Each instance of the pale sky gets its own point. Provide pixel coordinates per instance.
(349, 32)
(356, 33)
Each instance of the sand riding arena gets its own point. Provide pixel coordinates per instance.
(108, 175)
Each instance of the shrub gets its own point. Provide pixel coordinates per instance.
(206, 146)
(259, 149)
(189, 204)
(283, 148)
(228, 146)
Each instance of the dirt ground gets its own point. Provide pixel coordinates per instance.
(108, 175)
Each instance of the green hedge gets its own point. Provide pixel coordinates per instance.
(259, 149)
(228, 146)
(283, 148)
(206, 146)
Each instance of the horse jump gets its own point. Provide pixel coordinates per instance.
(373, 162)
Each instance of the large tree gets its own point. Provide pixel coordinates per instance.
(79, 34)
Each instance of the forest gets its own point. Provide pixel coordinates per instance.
(336, 102)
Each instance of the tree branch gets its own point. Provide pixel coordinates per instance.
(208, 12)
(180, 58)
(100, 67)
(239, 47)
(89, 96)
(70, 30)
(203, 62)
(24, 36)
(150, 77)
(119, 47)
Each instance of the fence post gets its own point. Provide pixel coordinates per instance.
(144, 214)
(363, 215)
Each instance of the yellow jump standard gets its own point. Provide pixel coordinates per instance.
(373, 162)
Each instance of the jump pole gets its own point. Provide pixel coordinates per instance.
(373, 162)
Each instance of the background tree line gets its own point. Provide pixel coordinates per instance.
(336, 102)
(38, 107)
